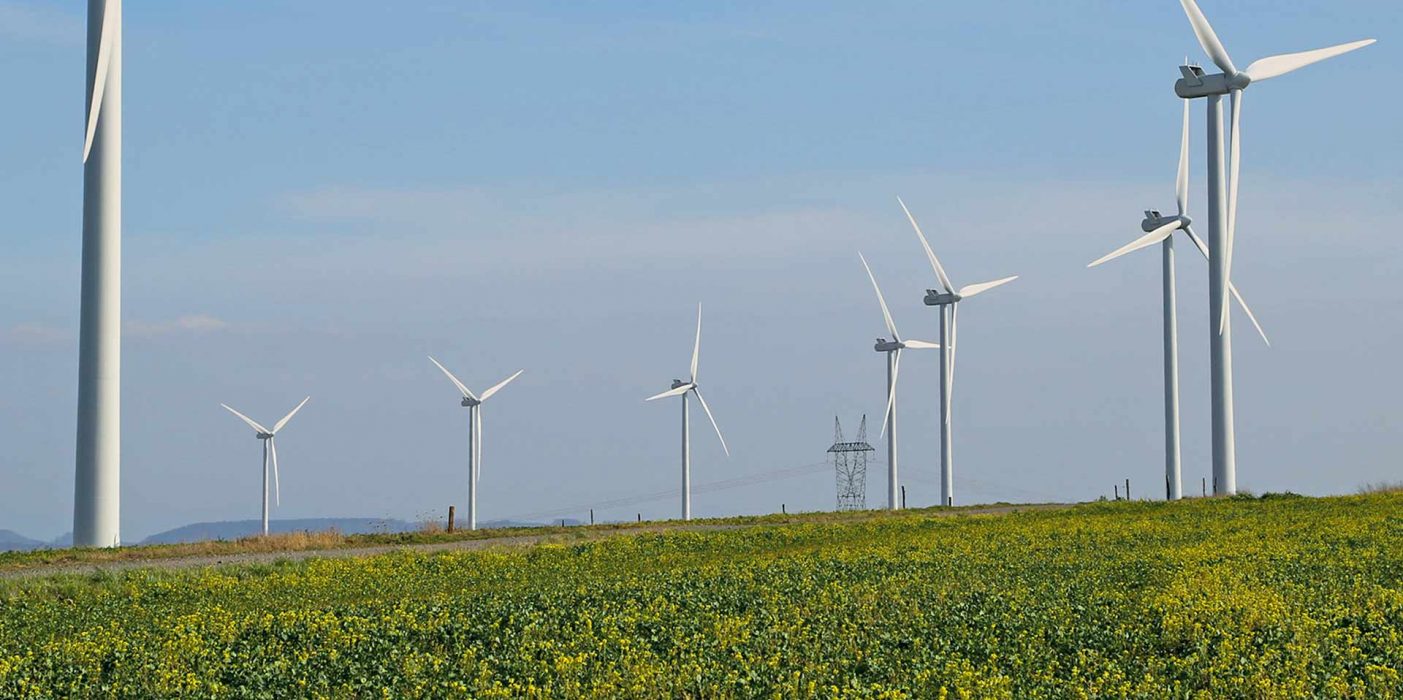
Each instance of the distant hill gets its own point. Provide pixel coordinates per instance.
(234, 529)
(11, 541)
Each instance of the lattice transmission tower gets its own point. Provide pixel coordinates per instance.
(850, 466)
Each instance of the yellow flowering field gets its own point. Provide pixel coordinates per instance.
(1262, 598)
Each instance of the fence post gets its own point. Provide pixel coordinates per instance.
(450, 520)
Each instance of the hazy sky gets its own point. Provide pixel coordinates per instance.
(318, 194)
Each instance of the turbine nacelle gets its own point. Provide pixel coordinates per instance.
(264, 436)
(884, 345)
(1154, 220)
(469, 402)
(935, 297)
(1196, 83)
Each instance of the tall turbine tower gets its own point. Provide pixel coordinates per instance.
(473, 403)
(681, 388)
(1222, 207)
(98, 463)
(270, 453)
(947, 301)
(893, 350)
(1160, 229)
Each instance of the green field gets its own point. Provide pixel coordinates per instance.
(1274, 597)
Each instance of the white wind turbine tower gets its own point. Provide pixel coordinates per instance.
(948, 301)
(1160, 229)
(474, 402)
(270, 453)
(681, 388)
(98, 459)
(1222, 207)
(893, 350)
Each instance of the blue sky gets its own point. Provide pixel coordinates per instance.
(319, 194)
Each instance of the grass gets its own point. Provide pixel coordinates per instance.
(1272, 596)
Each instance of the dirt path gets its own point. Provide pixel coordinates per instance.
(246, 558)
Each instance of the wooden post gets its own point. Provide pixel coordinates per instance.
(782, 510)
(591, 516)
(1117, 491)
(1127, 489)
(640, 517)
(1204, 484)
(450, 520)
(903, 497)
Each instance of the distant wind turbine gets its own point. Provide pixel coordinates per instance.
(1160, 229)
(270, 453)
(948, 301)
(681, 388)
(474, 402)
(893, 350)
(1222, 207)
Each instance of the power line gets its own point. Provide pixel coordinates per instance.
(710, 487)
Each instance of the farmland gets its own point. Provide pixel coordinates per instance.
(1243, 597)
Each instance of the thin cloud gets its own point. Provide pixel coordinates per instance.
(192, 324)
(23, 21)
(34, 334)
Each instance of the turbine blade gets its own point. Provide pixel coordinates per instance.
(251, 423)
(696, 348)
(891, 393)
(930, 254)
(1207, 38)
(477, 443)
(466, 394)
(1234, 171)
(279, 425)
(1240, 302)
(277, 485)
(920, 345)
(1198, 242)
(1181, 183)
(488, 394)
(886, 314)
(671, 392)
(1144, 241)
(1273, 66)
(1203, 248)
(950, 385)
(707, 408)
(970, 290)
(110, 12)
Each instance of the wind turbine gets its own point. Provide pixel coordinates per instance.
(893, 350)
(948, 301)
(270, 452)
(1222, 207)
(474, 402)
(681, 388)
(1160, 229)
(98, 459)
